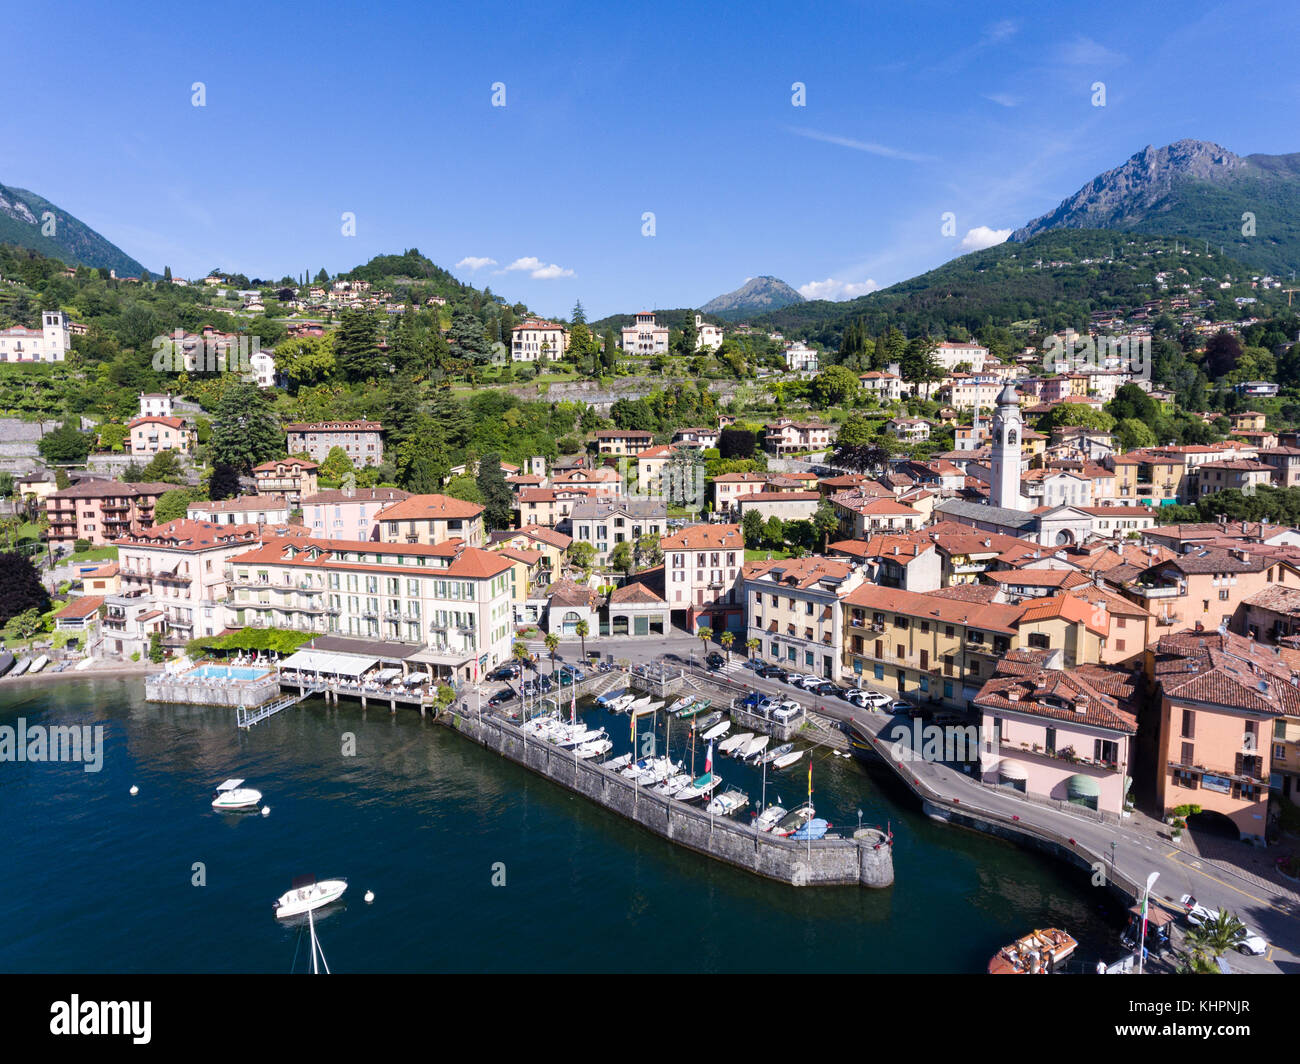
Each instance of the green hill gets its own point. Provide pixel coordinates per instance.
(23, 219)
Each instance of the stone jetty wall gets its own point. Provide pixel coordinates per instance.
(867, 859)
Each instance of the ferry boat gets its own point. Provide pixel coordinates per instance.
(1038, 953)
(307, 895)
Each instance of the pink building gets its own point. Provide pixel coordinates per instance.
(1058, 735)
(350, 514)
(149, 435)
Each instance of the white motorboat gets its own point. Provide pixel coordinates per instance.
(594, 748)
(576, 735)
(733, 744)
(727, 803)
(640, 705)
(769, 818)
(755, 749)
(775, 752)
(610, 697)
(619, 763)
(620, 703)
(38, 665)
(307, 894)
(649, 770)
(233, 795)
(681, 704)
(700, 787)
(717, 731)
(543, 725)
(786, 760)
(673, 784)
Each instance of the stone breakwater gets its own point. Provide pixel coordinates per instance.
(865, 859)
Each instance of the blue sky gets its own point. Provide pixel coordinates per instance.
(685, 110)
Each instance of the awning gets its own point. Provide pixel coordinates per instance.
(384, 675)
(417, 677)
(328, 664)
(1011, 770)
(1081, 786)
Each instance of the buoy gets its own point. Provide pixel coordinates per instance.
(266, 810)
(135, 789)
(370, 896)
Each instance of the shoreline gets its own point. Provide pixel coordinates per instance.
(130, 668)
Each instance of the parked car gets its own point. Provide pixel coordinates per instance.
(504, 672)
(772, 672)
(715, 660)
(754, 663)
(827, 689)
(1196, 914)
(785, 713)
(798, 679)
(899, 706)
(1247, 941)
(568, 673)
(501, 697)
(530, 688)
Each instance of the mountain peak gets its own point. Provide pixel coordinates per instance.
(756, 295)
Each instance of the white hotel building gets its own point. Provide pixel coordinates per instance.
(455, 602)
(535, 337)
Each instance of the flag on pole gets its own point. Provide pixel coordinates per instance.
(573, 705)
(810, 781)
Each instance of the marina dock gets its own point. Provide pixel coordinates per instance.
(865, 859)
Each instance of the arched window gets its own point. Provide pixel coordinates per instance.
(1011, 437)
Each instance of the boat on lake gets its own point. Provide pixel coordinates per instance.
(776, 752)
(786, 760)
(640, 705)
(814, 829)
(307, 894)
(611, 696)
(1038, 953)
(681, 704)
(733, 744)
(718, 730)
(594, 748)
(571, 735)
(793, 821)
(754, 749)
(699, 787)
(769, 818)
(695, 708)
(620, 703)
(233, 795)
(705, 723)
(673, 784)
(727, 803)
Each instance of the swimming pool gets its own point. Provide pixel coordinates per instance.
(228, 672)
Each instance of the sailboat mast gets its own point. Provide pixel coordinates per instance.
(311, 925)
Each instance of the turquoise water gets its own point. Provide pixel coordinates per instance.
(95, 880)
(227, 672)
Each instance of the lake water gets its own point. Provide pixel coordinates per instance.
(95, 880)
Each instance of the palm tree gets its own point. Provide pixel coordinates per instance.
(705, 633)
(752, 645)
(726, 639)
(552, 642)
(582, 629)
(1215, 936)
(520, 651)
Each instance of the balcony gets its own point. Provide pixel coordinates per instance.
(1158, 591)
(1256, 781)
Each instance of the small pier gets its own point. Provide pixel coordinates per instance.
(865, 859)
(245, 718)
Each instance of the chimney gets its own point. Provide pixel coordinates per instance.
(1081, 703)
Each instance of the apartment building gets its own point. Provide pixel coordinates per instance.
(431, 519)
(800, 358)
(702, 576)
(931, 648)
(1058, 735)
(861, 515)
(156, 404)
(348, 513)
(179, 570)
(951, 355)
(787, 436)
(1206, 585)
(100, 511)
(794, 610)
(456, 602)
(728, 487)
(242, 510)
(1240, 474)
(1220, 696)
(1285, 463)
(294, 478)
(361, 441)
(149, 435)
(885, 386)
(619, 442)
(537, 338)
(605, 524)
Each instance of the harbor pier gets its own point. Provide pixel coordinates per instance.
(865, 859)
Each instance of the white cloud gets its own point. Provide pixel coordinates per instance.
(837, 290)
(983, 237)
(1004, 99)
(1084, 51)
(472, 262)
(537, 269)
(862, 145)
(1000, 31)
